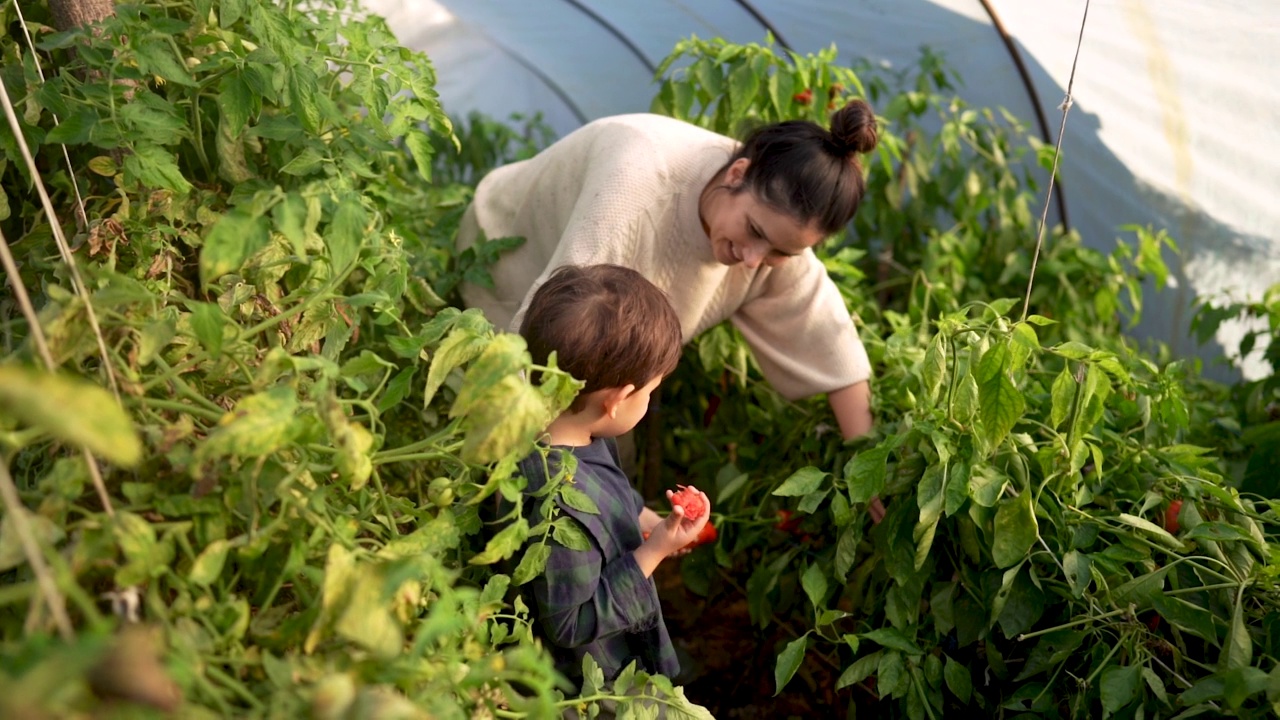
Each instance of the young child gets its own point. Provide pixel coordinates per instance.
(615, 331)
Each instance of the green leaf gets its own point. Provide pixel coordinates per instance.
(236, 103)
(1077, 566)
(732, 487)
(155, 167)
(208, 565)
(207, 322)
(230, 242)
(1150, 527)
(290, 218)
(934, 367)
(860, 670)
(892, 639)
(46, 532)
(347, 231)
(74, 130)
(495, 589)
(1217, 531)
(1237, 652)
(1156, 684)
(1186, 617)
(419, 144)
(1041, 320)
(1073, 350)
(566, 532)
(1016, 530)
(865, 473)
(1119, 687)
(532, 564)
(578, 500)
(156, 57)
(461, 346)
(303, 91)
(958, 679)
(814, 582)
(72, 410)
(802, 482)
(504, 544)
(1000, 405)
(788, 662)
(986, 484)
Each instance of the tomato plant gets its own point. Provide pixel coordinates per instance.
(280, 512)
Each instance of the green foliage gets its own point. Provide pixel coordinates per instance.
(306, 429)
(1028, 457)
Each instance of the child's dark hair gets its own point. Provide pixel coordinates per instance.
(808, 172)
(607, 324)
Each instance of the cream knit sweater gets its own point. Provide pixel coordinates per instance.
(625, 190)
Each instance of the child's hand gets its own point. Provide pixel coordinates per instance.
(676, 531)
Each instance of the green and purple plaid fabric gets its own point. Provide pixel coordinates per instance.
(597, 601)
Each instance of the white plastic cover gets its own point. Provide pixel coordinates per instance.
(1175, 121)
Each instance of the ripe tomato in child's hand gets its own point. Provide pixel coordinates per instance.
(692, 502)
(1171, 517)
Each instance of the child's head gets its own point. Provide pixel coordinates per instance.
(609, 327)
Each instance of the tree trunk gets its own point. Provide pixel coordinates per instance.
(68, 14)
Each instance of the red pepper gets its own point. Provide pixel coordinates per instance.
(804, 97)
(1171, 517)
(788, 521)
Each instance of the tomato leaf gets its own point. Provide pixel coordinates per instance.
(73, 410)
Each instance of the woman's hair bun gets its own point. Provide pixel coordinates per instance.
(853, 128)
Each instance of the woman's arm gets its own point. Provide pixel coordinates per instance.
(852, 407)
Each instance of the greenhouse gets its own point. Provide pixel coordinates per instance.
(586, 358)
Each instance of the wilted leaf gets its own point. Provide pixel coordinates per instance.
(208, 565)
(259, 425)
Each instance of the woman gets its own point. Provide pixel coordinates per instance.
(726, 230)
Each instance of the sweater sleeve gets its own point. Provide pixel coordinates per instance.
(580, 598)
(800, 332)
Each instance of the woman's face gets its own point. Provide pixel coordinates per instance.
(744, 230)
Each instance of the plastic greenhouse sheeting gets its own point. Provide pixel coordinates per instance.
(1175, 121)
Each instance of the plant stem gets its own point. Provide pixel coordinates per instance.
(1074, 623)
(16, 512)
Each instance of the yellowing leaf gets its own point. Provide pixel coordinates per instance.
(259, 425)
(72, 410)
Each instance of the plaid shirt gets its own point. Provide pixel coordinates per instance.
(597, 601)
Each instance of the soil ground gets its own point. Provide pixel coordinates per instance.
(727, 662)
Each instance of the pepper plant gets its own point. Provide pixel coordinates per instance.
(1056, 544)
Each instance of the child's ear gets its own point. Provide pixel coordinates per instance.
(611, 398)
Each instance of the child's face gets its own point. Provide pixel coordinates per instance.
(631, 409)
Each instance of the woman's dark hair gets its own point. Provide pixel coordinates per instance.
(808, 172)
(607, 324)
